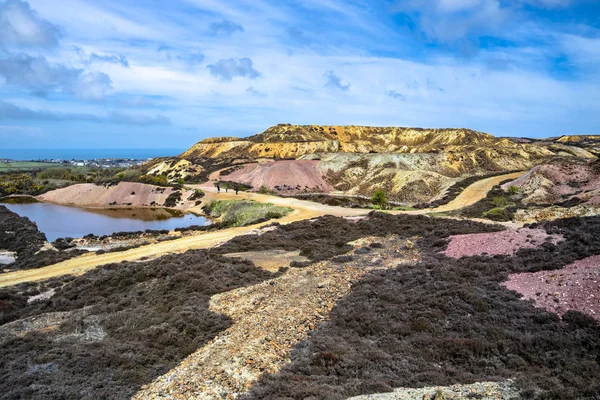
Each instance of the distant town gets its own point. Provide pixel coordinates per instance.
(95, 163)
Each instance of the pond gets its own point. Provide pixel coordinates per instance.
(60, 221)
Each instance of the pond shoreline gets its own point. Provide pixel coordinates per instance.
(29, 199)
(60, 220)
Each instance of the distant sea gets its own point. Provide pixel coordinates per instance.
(86, 154)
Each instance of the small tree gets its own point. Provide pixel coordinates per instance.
(513, 190)
(379, 199)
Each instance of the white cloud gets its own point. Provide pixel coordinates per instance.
(515, 97)
(458, 5)
(225, 27)
(227, 69)
(9, 111)
(22, 26)
(335, 82)
(255, 92)
(549, 3)
(40, 77)
(28, 131)
(452, 20)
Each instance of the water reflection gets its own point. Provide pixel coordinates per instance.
(61, 221)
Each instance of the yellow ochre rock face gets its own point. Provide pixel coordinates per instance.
(578, 138)
(293, 141)
(286, 141)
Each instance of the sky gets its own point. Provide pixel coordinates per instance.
(152, 74)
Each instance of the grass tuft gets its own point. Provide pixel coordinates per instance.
(244, 212)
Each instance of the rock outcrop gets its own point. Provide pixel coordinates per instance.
(286, 141)
(412, 165)
(576, 182)
(590, 143)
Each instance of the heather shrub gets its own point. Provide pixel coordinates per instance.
(127, 324)
(443, 321)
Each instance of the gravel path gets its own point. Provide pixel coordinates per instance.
(574, 287)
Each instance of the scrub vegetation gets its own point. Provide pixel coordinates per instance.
(24, 165)
(444, 321)
(104, 334)
(498, 205)
(438, 321)
(20, 235)
(456, 189)
(37, 181)
(244, 212)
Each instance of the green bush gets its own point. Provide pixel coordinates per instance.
(498, 214)
(244, 212)
(265, 190)
(501, 201)
(129, 175)
(513, 190)
(159, 180)
(198, 194)
(379, 199)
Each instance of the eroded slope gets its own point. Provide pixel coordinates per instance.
(286, 141)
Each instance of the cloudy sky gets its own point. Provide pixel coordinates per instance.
(150, 73)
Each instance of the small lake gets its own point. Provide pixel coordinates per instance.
(60, 221)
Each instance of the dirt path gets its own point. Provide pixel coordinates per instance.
(302, 210)
(475, 192)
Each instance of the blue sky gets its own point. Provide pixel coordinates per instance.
(149, 73)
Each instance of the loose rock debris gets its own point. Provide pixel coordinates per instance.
(481, 390)
(575, 287)
(270, 318)
(271, 260)
(492, 243)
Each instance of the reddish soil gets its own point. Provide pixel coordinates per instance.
(562, 182)
(124, 194)
(505, 242)
(293, 175)
(575, 287)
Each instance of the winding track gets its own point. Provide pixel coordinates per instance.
(302, 210)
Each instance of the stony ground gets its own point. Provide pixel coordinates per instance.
(269, 320)
(504, 242)
(271, 260)
(574, 287)
(536, 214)
(480, 390)
(560, 181)
(7, 257)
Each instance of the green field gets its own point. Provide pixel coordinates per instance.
(24, 166)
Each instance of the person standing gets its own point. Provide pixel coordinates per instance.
(218, 188)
